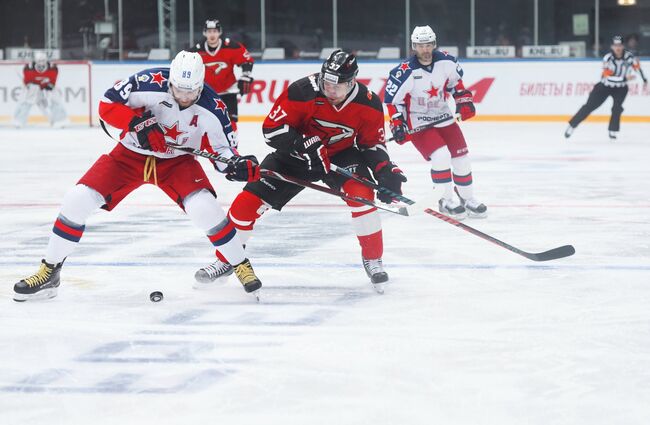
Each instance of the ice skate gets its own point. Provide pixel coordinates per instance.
(474, 208)
(246, 275)
(375, 271)
(217, 271)
(613, 135)
(42, 285)
(452, 208)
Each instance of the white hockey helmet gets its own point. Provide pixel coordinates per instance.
(187, 71)
(40, 60)
(423, 34)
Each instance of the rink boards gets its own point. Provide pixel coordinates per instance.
(523, 90)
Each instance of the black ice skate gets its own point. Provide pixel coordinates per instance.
(375, 271)
(41, 285)
(209, 274)
(452, 208)
(246, 275)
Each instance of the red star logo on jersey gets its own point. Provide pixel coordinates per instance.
(432, 92)
(173, 132)
(404, 66)
(220, 105)
(157, 78)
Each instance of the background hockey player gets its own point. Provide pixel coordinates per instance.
(321, 118)
(39, 79)
(618, 67)
(220, 56)
(151, 108)
(416, 95)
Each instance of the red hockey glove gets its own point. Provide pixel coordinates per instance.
(312, 150)
(398, 128)
(244, 84)
(243, 169)
(150, 135)
(464, 104)
(391, 177)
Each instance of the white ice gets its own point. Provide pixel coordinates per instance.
(467, 332)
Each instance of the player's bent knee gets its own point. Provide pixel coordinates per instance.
(80, 202)
(203, 209)
(440, 158)
(246, 208)
(354, 188)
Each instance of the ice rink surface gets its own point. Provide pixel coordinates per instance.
(467, 332)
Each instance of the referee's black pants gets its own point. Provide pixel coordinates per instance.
(596, 98)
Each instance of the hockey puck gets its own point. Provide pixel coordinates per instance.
(156, 296)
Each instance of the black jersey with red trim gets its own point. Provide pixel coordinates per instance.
(220, 63)
(303, 110)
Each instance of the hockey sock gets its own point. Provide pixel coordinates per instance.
(78, 204)
(365, 221)
(244, 211)
(440, 171)
(206, 214)
(463, 176)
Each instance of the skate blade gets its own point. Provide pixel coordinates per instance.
(459, 217)
(209, 284)
(471, 214)
(45, 294)
(257, 294)
(378, 287)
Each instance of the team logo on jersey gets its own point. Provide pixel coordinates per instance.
(218, 66)
(220, 105)
(432, 92)
(173, 132)
(143, 78)
(404, 66)
(157, 78)
(343, 131)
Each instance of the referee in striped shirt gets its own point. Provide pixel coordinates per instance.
(618, 64)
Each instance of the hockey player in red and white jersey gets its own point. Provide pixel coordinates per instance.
(416, 95)
(39, 79)
(152, 108)
(220, 56)
(323, 118)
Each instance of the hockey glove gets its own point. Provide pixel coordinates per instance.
(398, 128)
(243, 169)
(464, 104)
(150, 135)
(312, 150)
(244, 84)
(391, 177)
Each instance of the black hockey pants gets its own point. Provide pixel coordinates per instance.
(596, 98)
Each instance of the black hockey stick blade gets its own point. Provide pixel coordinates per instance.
(551, 254)
(364, 181)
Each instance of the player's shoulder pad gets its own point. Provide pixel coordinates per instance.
(229, 43)
(441, 55)
(151, 79)
(211, 102)
(367, 98)
(304, 89)
(402, 71)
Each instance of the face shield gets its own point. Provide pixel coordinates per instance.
(185, 97)
(334, 91)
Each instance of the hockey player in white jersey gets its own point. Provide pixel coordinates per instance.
(154, 107)
(416, 95)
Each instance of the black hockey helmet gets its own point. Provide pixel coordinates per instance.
(617, 39)
(340, 67)
(212, 24)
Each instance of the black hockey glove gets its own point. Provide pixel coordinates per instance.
(150, 135)
(243, 169)
(398, 128)
(244, 84)
(312, 150)
(391, 177)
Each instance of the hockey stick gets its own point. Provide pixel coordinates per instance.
(551, 254)
(369, 183)
(428, 126)
(299, 182)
